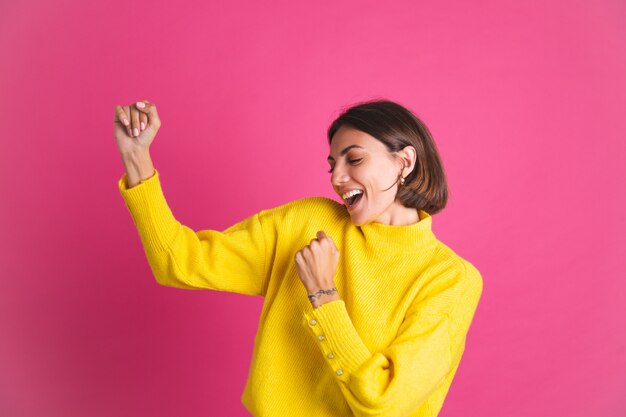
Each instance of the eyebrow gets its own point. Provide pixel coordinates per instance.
(345, 151)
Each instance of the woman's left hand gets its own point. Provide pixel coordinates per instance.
(317, 264)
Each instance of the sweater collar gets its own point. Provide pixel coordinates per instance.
(400, 238)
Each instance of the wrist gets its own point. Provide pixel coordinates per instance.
(136, 156)
(138, 166)
(323, 296)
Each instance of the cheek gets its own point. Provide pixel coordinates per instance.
(378, 175)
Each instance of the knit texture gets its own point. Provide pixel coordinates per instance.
(389, 347)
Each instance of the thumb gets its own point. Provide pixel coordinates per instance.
(150, 109)
(322, 235)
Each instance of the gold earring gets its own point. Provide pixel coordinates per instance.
(401, 181)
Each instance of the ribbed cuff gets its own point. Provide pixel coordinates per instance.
(337, 338)
(151, 214)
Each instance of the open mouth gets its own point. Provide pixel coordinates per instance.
(353, 197)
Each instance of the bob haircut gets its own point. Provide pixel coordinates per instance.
(425, 187)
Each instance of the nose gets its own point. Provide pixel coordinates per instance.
(339, 176)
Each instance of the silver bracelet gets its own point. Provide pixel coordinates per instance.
(318, 294)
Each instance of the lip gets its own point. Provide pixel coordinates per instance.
(345, 190)
(358, 203)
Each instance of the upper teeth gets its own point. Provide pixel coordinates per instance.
(351, 193)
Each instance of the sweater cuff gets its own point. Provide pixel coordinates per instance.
(337, 338)
(150, 212)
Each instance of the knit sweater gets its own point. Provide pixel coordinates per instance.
(389, 347)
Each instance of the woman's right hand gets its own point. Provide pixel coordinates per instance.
(130, 136)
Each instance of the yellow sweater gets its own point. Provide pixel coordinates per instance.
(390, 347)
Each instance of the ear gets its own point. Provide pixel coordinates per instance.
(408, 154)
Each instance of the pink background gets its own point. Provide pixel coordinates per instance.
(526, 104)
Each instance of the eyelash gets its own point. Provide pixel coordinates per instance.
(352, 161)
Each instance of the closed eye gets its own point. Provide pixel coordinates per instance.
(350, 161)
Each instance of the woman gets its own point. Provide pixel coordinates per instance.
(366, 312)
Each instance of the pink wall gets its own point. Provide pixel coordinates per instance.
(526, 103)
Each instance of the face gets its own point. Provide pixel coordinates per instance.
(359, 161)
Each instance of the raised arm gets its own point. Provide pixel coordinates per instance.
(231, 260)
(135, 127)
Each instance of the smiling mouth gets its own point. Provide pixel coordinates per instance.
(353, 200)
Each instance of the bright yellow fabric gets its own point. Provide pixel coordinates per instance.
(390, 347)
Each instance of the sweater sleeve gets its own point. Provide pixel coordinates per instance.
(232, 260)
(398, 379)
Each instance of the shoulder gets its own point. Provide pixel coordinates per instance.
(452, 277)
(450, 259)
(307, 208)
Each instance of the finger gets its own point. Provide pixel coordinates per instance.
(327, 237)
(134, 120)
(120, 115)
(323, 235)
(140, 106)
(128, 127)
(149, 109)
(143, 116)
(298, 257)
(143, 121)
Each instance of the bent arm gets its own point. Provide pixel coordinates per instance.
(397, 380)
(232, 260)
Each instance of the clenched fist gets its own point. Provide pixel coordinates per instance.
(135, 126)
(317, 264)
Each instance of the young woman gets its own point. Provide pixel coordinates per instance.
(366, 312)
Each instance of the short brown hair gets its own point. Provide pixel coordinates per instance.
(394, 125)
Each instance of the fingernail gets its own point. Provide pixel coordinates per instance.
(143, 125)
(125, 122)
(135, 131)
(141, 104)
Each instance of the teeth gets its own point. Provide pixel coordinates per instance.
(351, 193)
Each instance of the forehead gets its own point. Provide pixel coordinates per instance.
(347, 136)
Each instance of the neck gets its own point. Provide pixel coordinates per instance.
(400, 238)
(399, 215)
